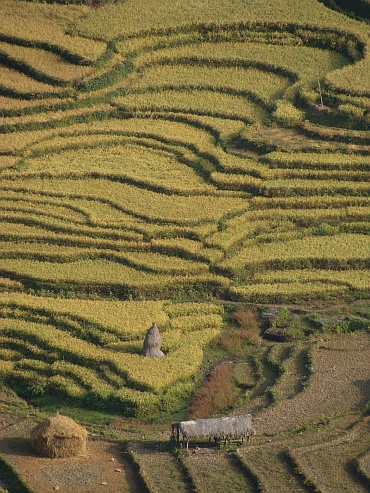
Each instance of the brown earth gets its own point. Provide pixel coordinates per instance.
(339, 382)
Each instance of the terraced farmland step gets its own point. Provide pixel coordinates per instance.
(329, 467)
(212, 471)
(160, 470)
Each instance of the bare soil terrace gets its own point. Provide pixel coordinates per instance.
(103, 468)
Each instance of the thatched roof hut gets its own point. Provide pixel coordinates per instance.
(226, 428)
(152, 343)
(59, 436)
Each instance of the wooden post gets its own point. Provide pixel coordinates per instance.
(319, 88)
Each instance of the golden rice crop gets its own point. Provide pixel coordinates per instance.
(187, 247)
(193, 101)
(142, 165)
(9, 354)
(293, 187)
(356, 279)
(23, 233)
(262, 85)
(181, 362)
(15, 141)
(64, 225)
(307, 174)
(282, 292)
(85, 377)
(236, 182)
(5, 366)
(134, 200)
(154, 133)
(17, 81)
(7, 283)
(48, 23)
(337, 247)
(307, 202)
(42, 207)
(66, 384)
(8, 162)
(97, 271)
(60, 117)
(157, 262)
(122, 317)
(106, 215)
(304, 61)
(300, 214)
(142, 261)
(24, 105)
(130, 46)
(133, 16)
(310, 160)
(101, 272)
(82, 210)
(188, 323)
(352, 79)
(174, 310)
(46, 62)
(224, 127)
(254, 223)
(168, 130)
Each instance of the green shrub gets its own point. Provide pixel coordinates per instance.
(357, 324)
(294, 332)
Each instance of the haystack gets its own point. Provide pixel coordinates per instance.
(152, 343)
(59, 436)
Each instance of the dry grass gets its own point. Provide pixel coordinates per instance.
(339, 382)
(160, 470)
(216, 472)
(364, 465)
(217, 393)
(269, 462)
(329, 465)
(295, 373)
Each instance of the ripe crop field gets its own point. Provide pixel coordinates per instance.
(197, 164)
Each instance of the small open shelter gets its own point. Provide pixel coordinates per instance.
(59, 436)
(225, 428)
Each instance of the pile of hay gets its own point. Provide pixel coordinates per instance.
(152, 343)
(59, 436)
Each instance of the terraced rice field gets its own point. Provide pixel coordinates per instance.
(129, 147)
(158, 163)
